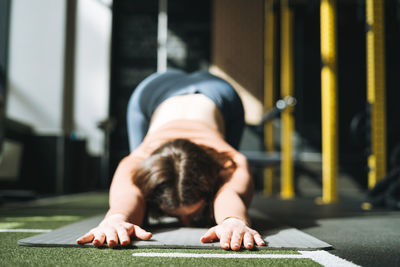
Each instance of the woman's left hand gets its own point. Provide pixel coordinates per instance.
(232, 233)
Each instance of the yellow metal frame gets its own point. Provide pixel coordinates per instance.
(375, 95)
(376, 89)
(269, 86)
(287, 78)
(329, 101)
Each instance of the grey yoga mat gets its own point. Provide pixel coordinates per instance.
(177, 237)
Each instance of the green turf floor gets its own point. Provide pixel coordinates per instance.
(13, 255)
(60, 212)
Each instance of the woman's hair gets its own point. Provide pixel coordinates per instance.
(179, 173)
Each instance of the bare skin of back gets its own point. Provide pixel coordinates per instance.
(193, 107)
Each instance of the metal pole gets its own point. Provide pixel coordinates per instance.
(68, 94)
(287, 170)
(162, 35)
(329, 100)
(269, 86)
(376, 89)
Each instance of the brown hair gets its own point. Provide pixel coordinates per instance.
(179, 173)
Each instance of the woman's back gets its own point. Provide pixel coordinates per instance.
(188, 107)
(176, 95)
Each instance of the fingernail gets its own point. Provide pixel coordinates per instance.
(249, 245)
(226, 245)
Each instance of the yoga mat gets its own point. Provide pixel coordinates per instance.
(176, 237)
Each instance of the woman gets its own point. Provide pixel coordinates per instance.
(183, 130)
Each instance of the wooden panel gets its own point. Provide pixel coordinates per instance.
(237, 50)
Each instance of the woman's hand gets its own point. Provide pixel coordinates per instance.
(114, 230)
(232, 233)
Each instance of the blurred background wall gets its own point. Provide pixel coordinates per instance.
(37, 64)
(69, 67)
(57, 92)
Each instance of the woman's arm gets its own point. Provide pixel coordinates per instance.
(126, 213)
(230, 210)
(125, 197)
(233, 198)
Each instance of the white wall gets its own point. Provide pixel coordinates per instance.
(36, 61)
(92, 70)
(36, 66)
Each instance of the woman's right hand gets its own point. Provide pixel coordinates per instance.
(114, 230)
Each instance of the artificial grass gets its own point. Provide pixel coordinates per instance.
(56, 214)
(37, 222)
(13, 255)
(53, 214)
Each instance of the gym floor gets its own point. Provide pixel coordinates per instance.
(367, 237)
(364, 237)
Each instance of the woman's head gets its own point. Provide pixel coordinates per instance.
(177, 177)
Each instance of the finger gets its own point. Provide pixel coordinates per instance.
(258, 239)
(209, 236)
(225, 240)
(236, 240)
(130, 229)
(123, 236)
(87, 238)
(111, 237)
(141, 233)
(248, 241)
(99, 238)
